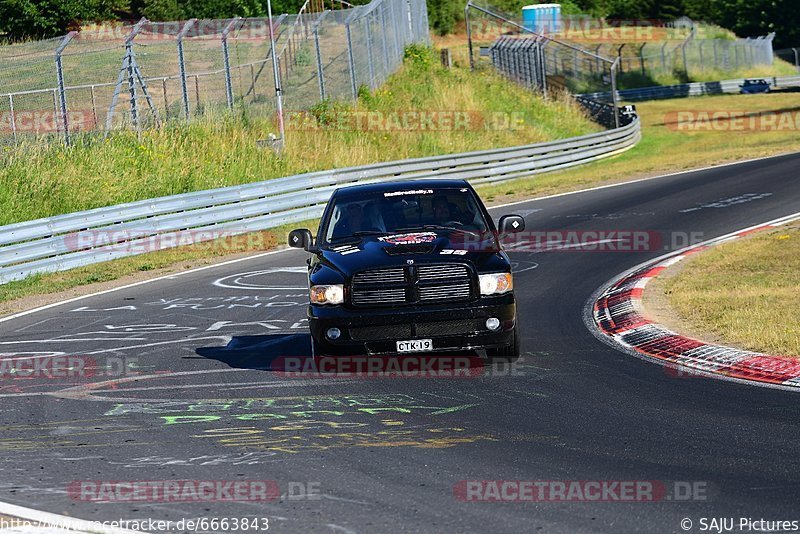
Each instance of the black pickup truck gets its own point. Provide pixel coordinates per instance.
(410, 267)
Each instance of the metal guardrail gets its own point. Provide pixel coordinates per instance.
(689, 89)
(74, 240)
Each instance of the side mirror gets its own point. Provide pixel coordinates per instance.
(301, 239)
(510, 224)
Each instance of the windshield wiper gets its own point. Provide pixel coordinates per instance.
(360, 233)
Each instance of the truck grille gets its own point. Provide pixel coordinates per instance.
(445, 292)
(413, 284)
(381, 276)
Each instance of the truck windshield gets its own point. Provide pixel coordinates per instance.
(382, 212)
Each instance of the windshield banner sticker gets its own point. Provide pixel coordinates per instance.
(409, 239)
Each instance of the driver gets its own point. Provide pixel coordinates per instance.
(441, 211)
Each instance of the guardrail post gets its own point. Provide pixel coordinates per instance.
(227, 61)
(62, 94)
(182, 66)
(796, 59)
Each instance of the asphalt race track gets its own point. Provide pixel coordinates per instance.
(197, 399)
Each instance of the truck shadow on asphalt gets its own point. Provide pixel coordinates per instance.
(290, 354)
(259, 352)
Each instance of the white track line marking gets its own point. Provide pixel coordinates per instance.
(78, 525)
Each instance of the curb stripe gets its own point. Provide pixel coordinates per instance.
(617, 313)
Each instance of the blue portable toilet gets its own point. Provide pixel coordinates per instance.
(542, 18)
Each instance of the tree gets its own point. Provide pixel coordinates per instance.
(47, 18)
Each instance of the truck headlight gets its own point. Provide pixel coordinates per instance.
(327, 294)
(495, 283)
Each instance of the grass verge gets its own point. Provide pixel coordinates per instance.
(41, 181)
(743, 292)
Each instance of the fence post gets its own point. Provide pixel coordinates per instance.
(663, 56)
(182, 66)
(276, 77)
(383, 36)
(683, 56)
(94, 105)
(700, 50)
(395, 34)
(11, 113)
(62, 94)
(350, 60)
(410, 23)
(320, 70)
(614, 97)
(641, 58)
(716, 57)
(370, 59)
(132, 89)
(543, 66)
(227, 60)
(127, 64)
(796, 59)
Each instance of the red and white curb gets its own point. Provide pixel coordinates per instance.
(617, 313)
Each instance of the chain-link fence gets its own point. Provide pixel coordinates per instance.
(690, 56)
(141, 75)
(583, 58)
(538, 61)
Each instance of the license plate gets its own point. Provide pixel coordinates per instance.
(415, 345)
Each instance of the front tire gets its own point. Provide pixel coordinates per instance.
(508, 354)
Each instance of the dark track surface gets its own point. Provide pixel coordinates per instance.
(574, 410)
